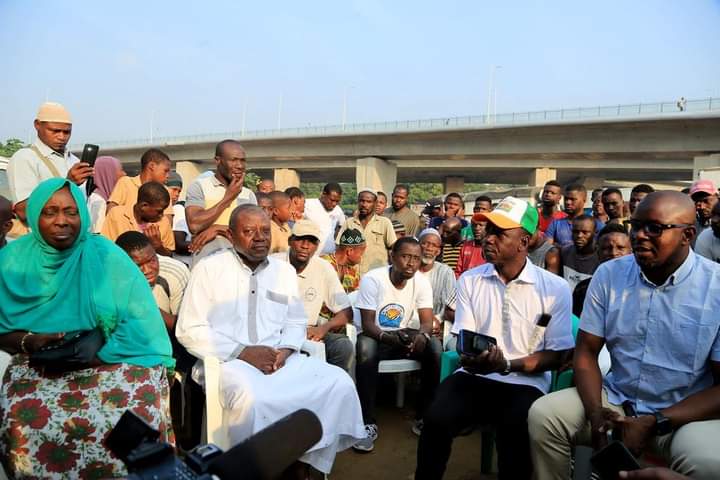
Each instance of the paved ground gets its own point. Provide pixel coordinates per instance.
(394, 454)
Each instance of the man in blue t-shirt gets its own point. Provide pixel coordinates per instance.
(560, 230)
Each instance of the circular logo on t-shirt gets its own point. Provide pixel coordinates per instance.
(391, 315)
(310, 294)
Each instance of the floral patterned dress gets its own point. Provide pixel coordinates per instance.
(56, 426)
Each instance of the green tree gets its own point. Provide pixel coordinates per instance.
(11, 146)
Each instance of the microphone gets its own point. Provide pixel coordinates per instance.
(268, 453)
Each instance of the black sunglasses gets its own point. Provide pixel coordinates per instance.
(653, 229)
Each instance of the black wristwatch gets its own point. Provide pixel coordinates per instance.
(662, 424)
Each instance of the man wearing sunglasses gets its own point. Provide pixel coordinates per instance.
(657, 312)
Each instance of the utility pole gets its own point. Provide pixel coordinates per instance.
(152, 124)
(280, 106)
(244, 115)
(491, 94)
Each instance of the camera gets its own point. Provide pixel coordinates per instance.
(473, 344)
(263, 456)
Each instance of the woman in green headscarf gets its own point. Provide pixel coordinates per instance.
(58, 279)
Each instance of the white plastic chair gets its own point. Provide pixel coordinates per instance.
(216, 428)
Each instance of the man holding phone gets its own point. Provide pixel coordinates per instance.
(46, 158)
(524, 314)
(388, 300)
(657, 311)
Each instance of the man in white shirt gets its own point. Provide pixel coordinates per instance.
(319, 285)
(46, 158)
(509, 299)
(211, 199)
(243, 307)
(388, 300)
(325, 212)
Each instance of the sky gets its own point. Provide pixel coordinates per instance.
(185, 68)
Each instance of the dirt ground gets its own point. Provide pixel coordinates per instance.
(394, 455)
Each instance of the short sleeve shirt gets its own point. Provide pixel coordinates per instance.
(195, 196)
(318, 285)
(379, 237)
(510, 313)
(660, 337)
(121, 219)
(170, 285)
(126, 192)
(394, 308)
(560, 231)
(26, 170)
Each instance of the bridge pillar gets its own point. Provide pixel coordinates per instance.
(702, 165)
(285, 178)
(454, 184)
(591, 183)
(188, 171)
(375, 173)
(540, 176)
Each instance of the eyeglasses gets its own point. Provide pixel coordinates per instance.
(652, 229)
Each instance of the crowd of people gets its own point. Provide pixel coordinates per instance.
(145, 286)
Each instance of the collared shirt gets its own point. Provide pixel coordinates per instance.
(379, 237)
(206, 191)
(126, 190)
(660, 337)
(318, 286)
(228, 306)
(326, 221)
(560, 231)
(122, 219)
(170, 285)
(280, 234)
(510, 313)
(395, 308)
(26, 170)
(407, 217)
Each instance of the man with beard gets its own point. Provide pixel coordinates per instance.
(508, 299)
(319, 286)
(401, 212)
(579, 260)
(441, 277)
(705, 196)
(389, 299)
(212, 198)
(560, 231)
(346, 259)
(377, 230)
(657, 313)
(708, 243)
(243, 307)
(549, 211)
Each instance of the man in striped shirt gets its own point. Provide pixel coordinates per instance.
(452, 242)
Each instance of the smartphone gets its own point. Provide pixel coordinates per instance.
(473, 344)
(89, 154)
(609, 461)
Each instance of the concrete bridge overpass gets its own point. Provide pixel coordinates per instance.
(648, 143)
